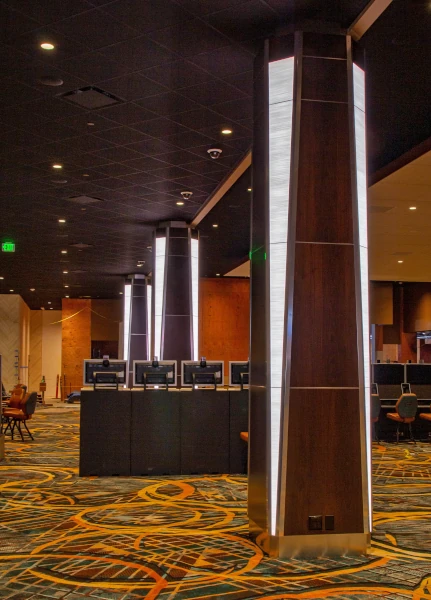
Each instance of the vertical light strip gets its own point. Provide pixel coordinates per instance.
(195, 295)
(126, 319)
(149, 298)
(160, 265)
(361, 183)
(280, 136)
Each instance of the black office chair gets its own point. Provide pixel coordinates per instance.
(375, 414)
(406, 407)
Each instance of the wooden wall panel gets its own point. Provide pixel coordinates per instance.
(76, 339)
(381, 303)
(35, 360)
(106, 326)
(9, 337)
(417, 307)
(324, 324)
(224, 307)
(324, 475)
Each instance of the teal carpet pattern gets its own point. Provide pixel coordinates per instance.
(117, 538)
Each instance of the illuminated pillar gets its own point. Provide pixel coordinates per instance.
(137, 321)
(175, 292)
(309, 438)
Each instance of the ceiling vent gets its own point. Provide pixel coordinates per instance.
(91, 98)
(84, 200)
(81, 245)
(379, 209)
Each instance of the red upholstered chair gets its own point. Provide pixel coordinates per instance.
(406, 407)
(20, 414)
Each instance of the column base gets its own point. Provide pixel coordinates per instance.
(310, 546)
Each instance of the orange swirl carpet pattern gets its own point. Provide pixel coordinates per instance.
(62, 536)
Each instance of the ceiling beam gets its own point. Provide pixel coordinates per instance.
(223, 188)
(367, 18)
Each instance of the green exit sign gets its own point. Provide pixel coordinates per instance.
(8, 247)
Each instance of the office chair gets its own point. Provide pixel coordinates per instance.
(20, 414)
(406, 407)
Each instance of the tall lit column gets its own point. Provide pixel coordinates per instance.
(309, 454)
(137, 320)
(175, 292)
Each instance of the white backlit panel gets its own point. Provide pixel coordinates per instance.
(195, 295)
(159, 288)
(361, 182)
(126, 320)
(149, 324)
(280, 136)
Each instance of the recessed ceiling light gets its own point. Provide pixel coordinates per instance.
(62, 220)
(64, 251)
(180, 203)
(121, 293)
(90, 124)
(85, 175)
(412, 207)
(1, 277)
(65, 272)
(226, 131)
(50, 308)
(47, 46)
(400, 261)
(149, 247)
(49, 302)
(66, 286)
(218, 274)
(215, 225)
(67, 296)
(57, 166)
(32, 289)
(11, 290)
(248, 189)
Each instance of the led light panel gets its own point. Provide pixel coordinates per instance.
(126, 320)
(149, 324)
(160, 265)
(195, 295)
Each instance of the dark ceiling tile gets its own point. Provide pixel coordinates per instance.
(116, 169)
(199, 119)
(177, 157)
(13, 92)
(96, 29)
(146, 163)
(193, 180)
(127, 114)
(245, 20)
(113, 195)
(170, 172)
(80, 123)
(190, 38)
(132, 87)
(89, 161)
(118, 154)
(151, 146)
(93, 67)
(162, 127)
(205, 167)
(138, 191)
(177, 74)
(221, 62)
(51, 108)
(235, 109)
(112, 184)
(188, 140)
(238, 131)
(88, 143)
(65, 47)
(167, 104)
(205, 7)
(13, 23)
(138, 54)
(20, 117)
(214, 92)
(53, 130)
(18, 137)
(33, 75)
(243, 81)
(47, 12)
(149, 15)
(242, 144)
(141, 179)
(122, 135)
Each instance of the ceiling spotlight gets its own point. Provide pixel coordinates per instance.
(121, 293)
(215, 152)
(64, 251)
(62, 220)
(180, 203)
(85, 175)
(50, 81)
(215, 225)
(400, 261)
(50, 308)
(149, 247)
(90, 124)
(248, 189)
(67, 296)
(66, 286)
(217, 274)
(32, 289)
(65, 272)
(49, 302)
(11, 290)
(57, 166)
(226, 131)
(186, 195)
(47, 46)
(412, 207)
(1, 277)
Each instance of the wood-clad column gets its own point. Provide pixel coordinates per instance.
(76, 340)
(138, 342)
(309, 290)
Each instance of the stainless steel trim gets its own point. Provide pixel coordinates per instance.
(290, 279)
(357, 267)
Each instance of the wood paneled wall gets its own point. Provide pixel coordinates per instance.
(224, 319)
(76, 339)
(105, 320)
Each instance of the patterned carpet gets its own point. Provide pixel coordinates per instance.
(186, 537)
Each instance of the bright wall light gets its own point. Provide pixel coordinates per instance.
(195, 295)
(361, 183)
(281, 74)
(159, 289)
(149, 305)
(126, 319)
